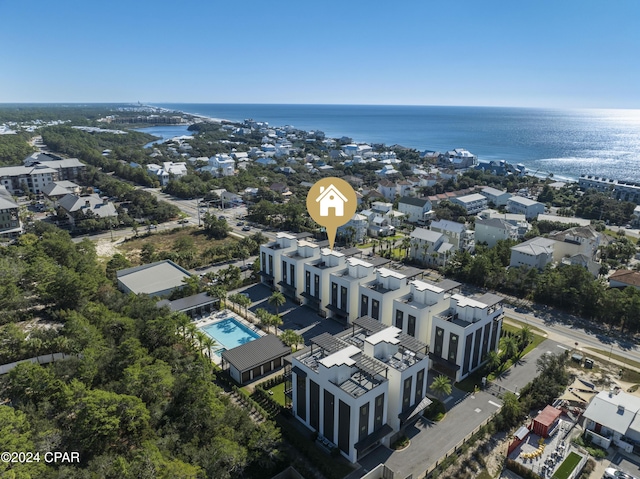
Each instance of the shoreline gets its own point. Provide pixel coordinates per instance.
(528, 172)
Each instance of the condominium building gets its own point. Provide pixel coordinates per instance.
(316, 278)
(10, 226)
(463, 334)
(524, 206)
(473, 203)
(376, 296)
(359, 388)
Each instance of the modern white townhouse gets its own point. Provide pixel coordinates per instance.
(270, 257)
(413, 312)
(376, 296)
(359, 388)
(343, 302)
(463, 334)
(495, 196)
(524, 206)
(316, 278)
(291, 279)
(473, 203)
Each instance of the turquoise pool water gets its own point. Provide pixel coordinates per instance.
(229, 333)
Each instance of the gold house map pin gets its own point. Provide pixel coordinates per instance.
(331, 202)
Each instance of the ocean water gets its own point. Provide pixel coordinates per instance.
(567, 143)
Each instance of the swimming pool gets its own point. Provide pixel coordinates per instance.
(229, 333)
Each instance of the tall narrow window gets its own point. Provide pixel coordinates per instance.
(411, 326)
(399, 319)
(334, 294)
(364, 305)
(307, 282)
(375, 309)
(343, 298)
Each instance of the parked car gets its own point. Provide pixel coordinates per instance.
(240, 223)
(183, 221)
(613, 473)
(245, 267)
(246, 228)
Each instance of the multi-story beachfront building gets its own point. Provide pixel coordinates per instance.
(473, 203)
(620, 190)
(359, 388)
(524, 206)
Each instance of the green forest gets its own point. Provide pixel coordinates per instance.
(136, 399)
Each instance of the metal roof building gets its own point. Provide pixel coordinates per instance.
(155, 279)
(192, 306)
(255, 358)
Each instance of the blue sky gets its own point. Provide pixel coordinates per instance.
(577, 54)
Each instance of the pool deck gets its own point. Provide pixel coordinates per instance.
(218, 316)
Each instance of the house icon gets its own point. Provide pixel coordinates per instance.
(331, 198)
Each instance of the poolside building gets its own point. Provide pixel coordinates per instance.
(255, 359)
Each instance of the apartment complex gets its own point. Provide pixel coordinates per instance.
(10, 226)
(37, 172)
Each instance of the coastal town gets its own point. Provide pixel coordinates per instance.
(474, 319)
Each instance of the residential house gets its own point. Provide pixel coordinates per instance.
(56, 190)
(92, 205)
(473, 203)
(161, 174)
(492, 230)
(280, 188)
(359, 388)
(462, 335)
(497, 197)
(501, 168)
(388, 189)
(524, 206)
(457, 159)
(355, 229)
(457, 234)
(414, 209)
(387, 171)
(623, 278)
(612, 419)
(266, 161)
(220, 165)
(430, 247)
(534, 253)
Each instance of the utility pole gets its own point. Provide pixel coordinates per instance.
(198, 210)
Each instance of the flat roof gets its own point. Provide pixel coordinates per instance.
(340, 357)
(255, 353)
(153, 278)
(387, 335)
(190, 302)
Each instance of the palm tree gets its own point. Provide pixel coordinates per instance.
(441, 386)
(526, 336)
(218, 292)
(291, 338)
(406, 245)
(509, 346)
(209, 343)
(276, 300)
(275, 321)
(201, 338)
(493, 360)
(191, 331)
(264, 317)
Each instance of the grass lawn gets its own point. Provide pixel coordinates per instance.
(630, 376)
(165, 240)
(278, 393)
(475, 379)
(567, 466)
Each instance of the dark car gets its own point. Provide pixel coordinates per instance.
(245, 267)
(246, 228)
(240, 223)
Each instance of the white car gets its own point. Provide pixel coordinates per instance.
(613, 473)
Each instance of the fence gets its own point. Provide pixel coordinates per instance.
(44, 359)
